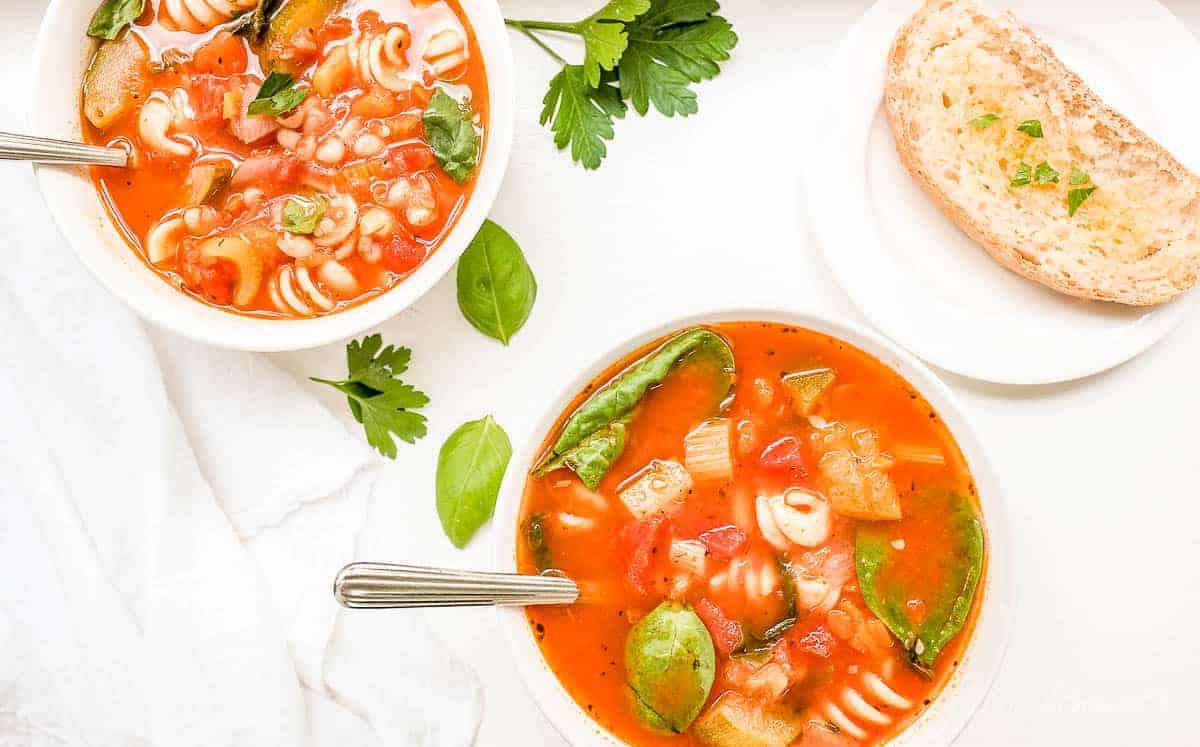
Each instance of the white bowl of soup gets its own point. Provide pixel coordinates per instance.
(297, 177)
(785, 531)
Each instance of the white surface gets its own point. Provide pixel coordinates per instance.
(971, 680)
(1100, 474)
(59, 61)
(926, 284)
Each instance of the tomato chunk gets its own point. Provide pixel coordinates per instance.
(724, 542)
(639, 539)
(402, 253)
(726, 634)
(784, 455)
(413, 157)
(224, 54)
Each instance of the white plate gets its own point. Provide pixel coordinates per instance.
(921, 281)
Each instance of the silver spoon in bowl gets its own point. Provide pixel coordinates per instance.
(388, 585)
(15, 147)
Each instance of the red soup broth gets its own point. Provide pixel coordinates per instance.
(626, 569)
(356, 144)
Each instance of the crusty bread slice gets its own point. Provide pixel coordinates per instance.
(1134, 240)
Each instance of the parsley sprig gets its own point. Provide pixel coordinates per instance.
(638, 53)
(378, 398)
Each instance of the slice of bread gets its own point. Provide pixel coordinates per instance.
(1133, 240)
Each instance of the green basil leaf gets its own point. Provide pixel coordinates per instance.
(948, 606)
(470, 467)
(592, 457)
(301, 214)
(112, 16)
(670, 663)
(1023, 176)
(1076, 197)
(1043, 173)
(1079, 177)
(615, 401)
(452, 135)
(1031, 127)
(983, 121)
(277, 96)
(535, 536)
(496, 288)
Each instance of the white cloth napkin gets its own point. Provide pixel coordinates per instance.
(171, 517)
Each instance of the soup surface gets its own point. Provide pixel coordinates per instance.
(776, 538)
(292, 160)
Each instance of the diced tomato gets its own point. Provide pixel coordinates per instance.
(212, 279)
(818, 642)
(224, 54)
(726, 634)
(421, 95)
(337, 27)
(724, 542)
(374, 104)
(784, 455)
(369, 21)
(267, 168)
(207, 96)
(413, 157)
(639, 539)
(402, 253)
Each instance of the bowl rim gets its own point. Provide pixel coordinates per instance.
(971, 681)
(95, 243)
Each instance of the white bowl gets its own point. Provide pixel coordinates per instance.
(969, 683)
(60, 57)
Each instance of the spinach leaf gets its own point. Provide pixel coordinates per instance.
(470, 467)
(496, 288)
(947, 609)
(277, 96)
(670, 663)
(112, 16)
(760, 642)
(614, 403)
(452, 135)
(535, 536)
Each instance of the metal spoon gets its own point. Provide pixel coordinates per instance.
(15, 147)
(387, 585)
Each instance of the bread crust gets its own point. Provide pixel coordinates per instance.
(1124, 286)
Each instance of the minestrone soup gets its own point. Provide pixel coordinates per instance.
(292, 157)
(777, 541)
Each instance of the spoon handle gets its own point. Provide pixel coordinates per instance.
(386, 585)
(15, 147)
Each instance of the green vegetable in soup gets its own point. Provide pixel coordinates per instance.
(535, 537)
(470, 468)
(452, 135)
(293, 17)
(205, 180)
(496, 287)
(805, 388)
(738, 721)
(670, 663)
(948, 606)
(613, 404)
(116, 81)
(302, 214)
(112, 16)
(277, 96)
(254, 24)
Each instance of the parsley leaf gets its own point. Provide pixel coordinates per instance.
(452, 136)
(1076, 197)
(581, 116)
(675, 43)
(983, 121)
(114, 15)
(301, 214)
(1023, 176)
(377, 397)
(1079, 176)
(1043, 173)
(604, 38)
(1031, 127)
(277, 96)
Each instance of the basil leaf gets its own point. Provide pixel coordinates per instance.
(301, 215)
(277, 96)
(112, 16)
(592, 457)
(948, 606)
(615, 401)
(535, 536)
(1031, 127)
(1023, 176)
(671, 663)
(1079, 177)
(470, 467)
(496, 288)
(452, 135)
(983, 121)
(1076, 197)
(1043, 173)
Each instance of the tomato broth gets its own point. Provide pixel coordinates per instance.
(860, 459)
(332, 196)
